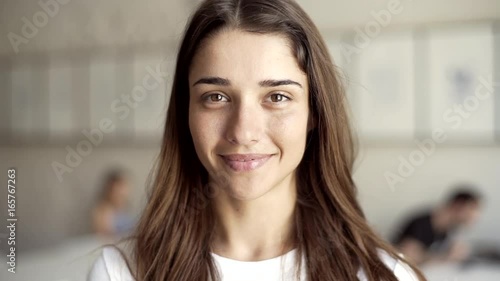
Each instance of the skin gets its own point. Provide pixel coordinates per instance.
(257, 105)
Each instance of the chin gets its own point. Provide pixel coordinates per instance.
(246, 192)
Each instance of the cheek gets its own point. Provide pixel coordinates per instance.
(204, 130)
(290, 130)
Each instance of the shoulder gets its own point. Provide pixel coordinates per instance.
(420, 217)
(419, 224)
(401, 270)
(110, 266)
(424, 217)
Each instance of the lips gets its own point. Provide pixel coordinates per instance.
(245, 162)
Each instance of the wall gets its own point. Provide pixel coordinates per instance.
(80, 24)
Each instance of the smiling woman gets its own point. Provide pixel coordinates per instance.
(258, 127)
(248, 108)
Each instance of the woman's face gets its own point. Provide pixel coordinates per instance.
(248, 111)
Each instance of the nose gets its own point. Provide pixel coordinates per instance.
(244, 125)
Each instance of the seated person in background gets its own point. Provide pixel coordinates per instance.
(425, 238)
(110, 217)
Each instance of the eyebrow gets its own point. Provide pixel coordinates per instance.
(276, 83)
(213, 81)
(265, 83)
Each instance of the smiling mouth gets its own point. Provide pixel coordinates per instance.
(245, 162)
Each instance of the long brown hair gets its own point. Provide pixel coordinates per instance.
(172, 240)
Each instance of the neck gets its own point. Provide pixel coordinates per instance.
(255, 229)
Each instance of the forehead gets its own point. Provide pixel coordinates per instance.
(241, 55)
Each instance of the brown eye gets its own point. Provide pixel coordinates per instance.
(278, 98)
(216, 98)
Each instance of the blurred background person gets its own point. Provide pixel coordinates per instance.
(111, 216)
(427, 236)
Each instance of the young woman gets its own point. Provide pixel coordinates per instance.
(254, 178)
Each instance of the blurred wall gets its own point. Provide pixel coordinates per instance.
(91, 23)
(49, 210)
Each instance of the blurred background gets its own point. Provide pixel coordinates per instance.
(84, 86)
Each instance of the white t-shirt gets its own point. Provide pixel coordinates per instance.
(110, 266)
